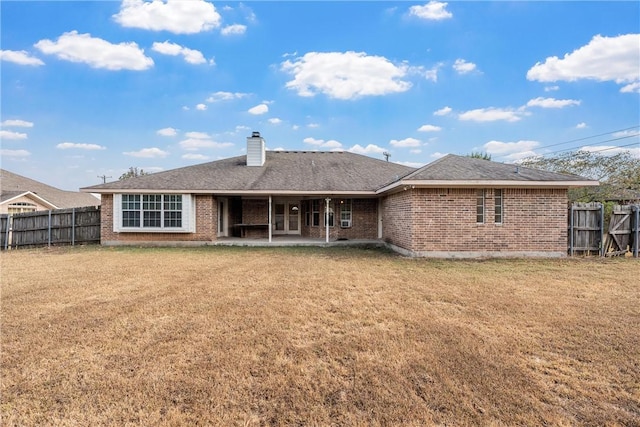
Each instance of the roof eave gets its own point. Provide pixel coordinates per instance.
(235, 192)
(484, 184)
(32, 195)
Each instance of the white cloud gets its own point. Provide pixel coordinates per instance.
(234, 29)
(193, 156)
(332, 143)
(415, 165)
(345, 75)
(167, 132)
(225, 96)
(194, 144)
(611, 150)
(492, 114)
(147, 153)
(429, 128)
(463, 67)
(626, 134)
(407, 142)
(259, 109)
(14, 153)
(581, 125)
(96, 52)
(21, 57)
(371, 148)
(201, 107)
(9, 134)
(176, 16)
(17, 123)
(81, 146)
(631, 88)
(185, 108)
(313, 125)
(432, 11)
(443, 111)
(415, 151)
(511, 151)
(551, 88)
(427, 73)
(275, 121)
(438, 155)
(191, 56)
(602, 59)
(197, 135)
(552, 102)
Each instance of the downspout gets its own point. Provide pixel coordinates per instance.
(270, 201)
(326, 217)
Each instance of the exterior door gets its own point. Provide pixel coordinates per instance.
(286, 217)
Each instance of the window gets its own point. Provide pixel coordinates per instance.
(345, 213)
(315, 213)
(480, 206)
(152, 212)
(497, 196)
(20, 207)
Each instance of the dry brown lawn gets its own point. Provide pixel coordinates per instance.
(334, 336)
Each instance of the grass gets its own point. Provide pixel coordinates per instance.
(312, 336)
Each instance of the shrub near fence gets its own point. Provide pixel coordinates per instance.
(72, 226)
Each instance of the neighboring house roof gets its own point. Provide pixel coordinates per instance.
(452, 170)
(13, 185)
(283, 171)
(302, 172)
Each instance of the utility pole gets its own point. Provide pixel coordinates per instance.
(386, 155)
(104, 178)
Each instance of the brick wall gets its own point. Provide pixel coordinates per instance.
(206, 214)
(364, 221)
(444, 220)
(255, 211)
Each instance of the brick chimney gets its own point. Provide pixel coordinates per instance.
(255, 150)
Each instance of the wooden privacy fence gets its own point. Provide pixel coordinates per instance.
(72, 226)
(587, 231)
(623, 235)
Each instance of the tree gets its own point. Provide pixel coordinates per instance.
(479, 155)
(132, 173)
(619, 174)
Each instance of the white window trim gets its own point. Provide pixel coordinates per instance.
(188, 217)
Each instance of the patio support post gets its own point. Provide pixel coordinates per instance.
(326, 217)
(270, 201)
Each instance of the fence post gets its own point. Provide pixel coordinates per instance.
(601, 229)
(6, 240)
(49, 233)
(73, 227)
(636, 243)
(571, 230)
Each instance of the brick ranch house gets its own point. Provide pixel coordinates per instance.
(453, 207)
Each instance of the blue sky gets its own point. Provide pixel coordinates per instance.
(91, 88)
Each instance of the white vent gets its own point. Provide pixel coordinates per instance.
(255, 150)
(345, 223)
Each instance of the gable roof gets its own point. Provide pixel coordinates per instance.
(285, 172)
(462, 171)
(13, 185)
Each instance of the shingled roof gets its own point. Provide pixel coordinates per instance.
(283, 171)
(13, 185)
(461, 170)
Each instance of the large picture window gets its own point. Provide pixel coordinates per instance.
(152, 212)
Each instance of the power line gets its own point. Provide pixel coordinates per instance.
(589, 137)
(595, 143)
